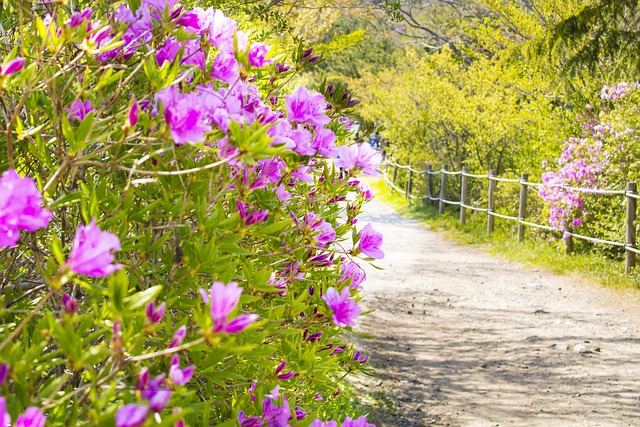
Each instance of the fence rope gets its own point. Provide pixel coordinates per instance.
(517, 219)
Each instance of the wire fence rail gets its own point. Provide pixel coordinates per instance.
(630, 193)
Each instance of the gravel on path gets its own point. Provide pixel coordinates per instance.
(466, 339)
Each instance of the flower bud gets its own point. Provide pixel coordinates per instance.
(69, 304)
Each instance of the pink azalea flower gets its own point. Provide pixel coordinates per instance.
(78, 18)
(225, 68)
(345, 310)
(78, 110)
(359, 156)
(131, 415)
(178, 337)
(302, 106)
(13, 66)
(91, 252)
(5, 418)
(197, 20)
(156, 393)
(322, 230)
(324, 142)
(32, 417)
(359, 422)
(192, 54)
(351, 270)
(69, 304)
(252, 421)
(185, 115)
(20, 207)
(4, 372)
(257, 53)
(132, 116)
(318, 423)
(224, 299)
(155, 314)
(221, 31)
(276, 416)
(177, 375)
(370, 242)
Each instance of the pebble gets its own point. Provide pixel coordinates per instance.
(580, 348)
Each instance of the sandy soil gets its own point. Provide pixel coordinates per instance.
(465, 339)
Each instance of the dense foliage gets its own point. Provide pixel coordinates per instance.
(178, 244)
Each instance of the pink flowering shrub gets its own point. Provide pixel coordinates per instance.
(177, 239)
(605, 156)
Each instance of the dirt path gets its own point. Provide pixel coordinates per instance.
(466, 339)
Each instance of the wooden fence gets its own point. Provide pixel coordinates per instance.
(441, 199)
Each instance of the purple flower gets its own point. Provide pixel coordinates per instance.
(185, 115)
(177, 375)
(178, 337)
(370, 242)
(221, 31)
(351, 270)
(79, 17)
(91, 251)
(132, 116)
(359, 156)
(131, 415)
(69, 304)
(324, 142)
(300, 414)
(20, 208)
(287, 375)
(252, 421)
(225, 68)
(314, 337)
(5, 418)
(157, 394)
(79, 110)
(13, 66)
(100, 35)
(281, 68)
(32, 417)
(257, 53)
(345, 310)
(224, 299)
(155, 314)
(319, 423)
(192, 54)
(324, 233)
(276, 416)
(4, 372)
(280, 367)
(302, 106)
(359, 422)
(197, 20)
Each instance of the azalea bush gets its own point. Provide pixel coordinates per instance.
(179, 242)
(604, 156)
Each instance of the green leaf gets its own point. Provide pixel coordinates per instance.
(118, 288)
(275, 227)
(66, 199)
(143, 298)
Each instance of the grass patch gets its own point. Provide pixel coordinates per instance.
(534, 251)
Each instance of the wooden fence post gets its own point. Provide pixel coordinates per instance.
(463, 195)
(491, 203)
(522, 209)
(395, 173)
(630, 257)
(568, 243)
(443, 189)
(410, 183)
(430, 184)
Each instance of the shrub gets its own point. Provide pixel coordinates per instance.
(175, 241)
